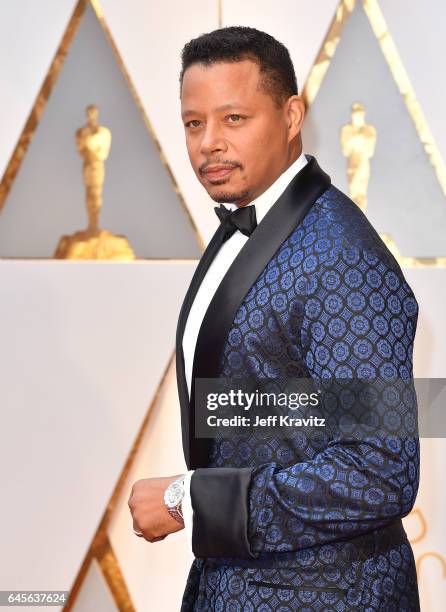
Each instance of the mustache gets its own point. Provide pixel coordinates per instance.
(220, 162)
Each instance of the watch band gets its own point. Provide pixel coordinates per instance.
(173, 497)
(176, 513)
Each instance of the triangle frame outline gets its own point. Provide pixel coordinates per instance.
(400, 76)
(44, 93)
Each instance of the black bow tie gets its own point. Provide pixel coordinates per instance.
(243, 219)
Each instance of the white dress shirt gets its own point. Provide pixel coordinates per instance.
(214, 275)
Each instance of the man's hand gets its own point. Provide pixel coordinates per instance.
(150, 515)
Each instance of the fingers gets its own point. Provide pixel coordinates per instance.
(136, 530)
(149, 538)
(157, 539)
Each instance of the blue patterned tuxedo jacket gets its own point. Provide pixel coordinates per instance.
(301, 522)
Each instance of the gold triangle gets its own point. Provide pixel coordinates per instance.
(402, 81)
(45, 91)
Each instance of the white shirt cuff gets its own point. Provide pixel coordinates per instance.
(186, 507)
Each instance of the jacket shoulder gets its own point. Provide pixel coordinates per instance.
(347, 227)
(336, 232)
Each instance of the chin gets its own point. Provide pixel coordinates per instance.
(227, 196)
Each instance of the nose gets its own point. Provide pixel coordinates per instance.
(213, 140)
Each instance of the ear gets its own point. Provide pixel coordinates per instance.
(295, 113)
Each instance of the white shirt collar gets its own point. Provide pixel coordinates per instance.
(266, 199)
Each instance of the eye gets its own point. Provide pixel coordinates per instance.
(235, 118)
(193, 123)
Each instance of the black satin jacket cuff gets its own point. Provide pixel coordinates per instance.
(220, 502)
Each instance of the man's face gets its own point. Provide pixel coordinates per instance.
(237, 139)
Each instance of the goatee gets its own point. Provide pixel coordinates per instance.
(230, 198)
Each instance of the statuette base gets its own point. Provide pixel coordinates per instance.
(99, 244)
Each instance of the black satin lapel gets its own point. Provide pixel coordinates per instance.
(282, 218)
(183, 393)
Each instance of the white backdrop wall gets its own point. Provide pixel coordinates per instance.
(84, 345)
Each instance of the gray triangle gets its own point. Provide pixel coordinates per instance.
(405, 199)
(47, 197)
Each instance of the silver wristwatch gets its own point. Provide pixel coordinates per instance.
(173, 496)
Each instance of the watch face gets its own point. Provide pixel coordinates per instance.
(173, 494)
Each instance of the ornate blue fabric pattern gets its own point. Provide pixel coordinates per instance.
(324, 511)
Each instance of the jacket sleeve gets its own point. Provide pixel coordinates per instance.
(359, 321)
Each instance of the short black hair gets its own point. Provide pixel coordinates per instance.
(236, 43)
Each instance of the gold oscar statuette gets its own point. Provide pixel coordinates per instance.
(358, 140)
(93, 144)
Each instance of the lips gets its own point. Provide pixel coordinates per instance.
(213, 172)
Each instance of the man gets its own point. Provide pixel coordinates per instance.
(294, 284)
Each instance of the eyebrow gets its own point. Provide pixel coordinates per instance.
(224, 107)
